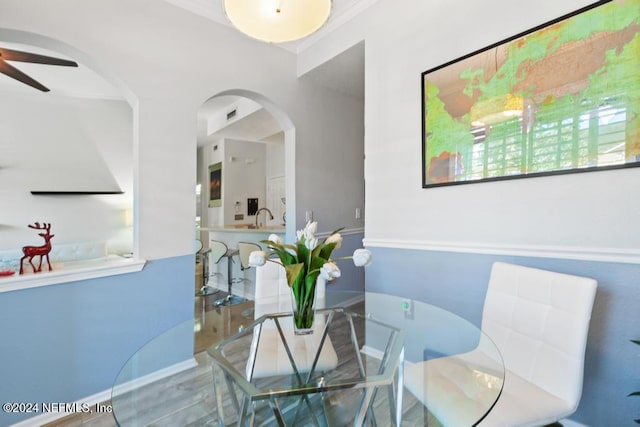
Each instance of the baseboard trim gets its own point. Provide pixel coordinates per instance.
(155, 376)
(627, 256)
(92, 401)
(104, 396)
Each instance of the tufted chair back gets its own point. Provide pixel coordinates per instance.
(540, 321)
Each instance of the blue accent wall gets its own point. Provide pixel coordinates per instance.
(458, 283)
(61, 343)
(351, 278)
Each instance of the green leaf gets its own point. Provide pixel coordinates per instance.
(309, 291)
(285, 256)
(636, 341)
(317, 263)
(635, 393)
(295, 273)
(303, 253)
(326, 250)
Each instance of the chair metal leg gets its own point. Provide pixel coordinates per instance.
(207, 290)
(230, 299)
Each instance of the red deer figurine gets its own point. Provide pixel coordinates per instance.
(43, 251)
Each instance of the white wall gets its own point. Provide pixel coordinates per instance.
(50, 142)
(275, 155)
(581, 212)
(276, 179)
(438, 244)
(243, 178)
(171, 72)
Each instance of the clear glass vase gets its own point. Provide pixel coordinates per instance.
(304, 311)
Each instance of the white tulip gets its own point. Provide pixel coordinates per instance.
(308, 232)
(311, 243)
(257, 258)
(361, 257)
(335, 238)
(311, 228)
(275, 239)
(329, 271)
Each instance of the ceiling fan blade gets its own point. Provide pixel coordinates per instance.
(14, 73)
(16, 55)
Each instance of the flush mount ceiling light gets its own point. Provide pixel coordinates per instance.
(278, 21)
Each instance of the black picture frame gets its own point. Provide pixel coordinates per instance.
(215, 185)
(562, 97)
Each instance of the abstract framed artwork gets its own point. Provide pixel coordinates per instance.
(560, 98)
(215, 185)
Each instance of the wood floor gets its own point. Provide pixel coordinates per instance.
(186, 399)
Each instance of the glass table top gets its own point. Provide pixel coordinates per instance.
(446, 359)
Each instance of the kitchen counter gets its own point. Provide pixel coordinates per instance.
(234, 233)
(246, 228)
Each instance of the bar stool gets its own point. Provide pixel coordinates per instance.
(244, 250)
(217, 250)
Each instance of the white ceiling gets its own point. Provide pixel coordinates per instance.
(256, 126)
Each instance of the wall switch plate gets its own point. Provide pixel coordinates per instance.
(358, 213)
(308, 216)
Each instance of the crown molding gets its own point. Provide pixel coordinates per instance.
(336, 20)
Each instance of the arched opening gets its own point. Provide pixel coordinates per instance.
(68, 153)
(268, 123)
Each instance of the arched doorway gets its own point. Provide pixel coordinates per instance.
(233, 106)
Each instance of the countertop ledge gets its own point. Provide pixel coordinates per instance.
(236, 229)
(72, 272)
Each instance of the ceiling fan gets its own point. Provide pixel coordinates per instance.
(16, 55)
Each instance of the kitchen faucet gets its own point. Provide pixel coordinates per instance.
(258, 213)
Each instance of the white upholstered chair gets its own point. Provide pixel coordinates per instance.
(273, 295)
(539, 321)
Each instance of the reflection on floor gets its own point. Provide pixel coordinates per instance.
(212, 323)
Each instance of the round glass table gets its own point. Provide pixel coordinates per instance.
(392, 361)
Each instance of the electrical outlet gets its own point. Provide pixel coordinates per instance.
(358, 213)
(407, 308)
